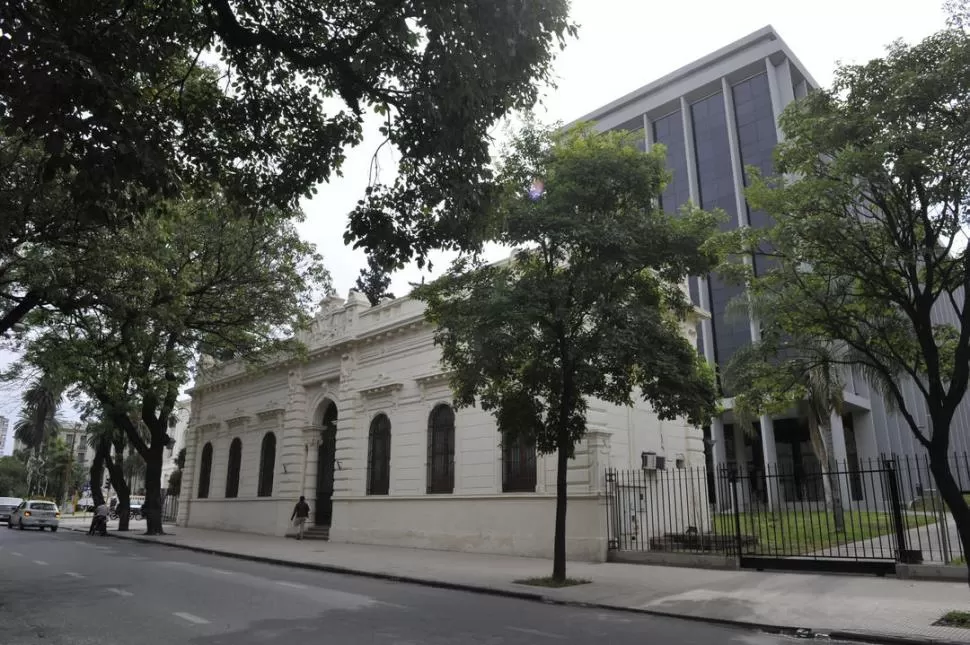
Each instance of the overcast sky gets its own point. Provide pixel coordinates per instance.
(622, 45)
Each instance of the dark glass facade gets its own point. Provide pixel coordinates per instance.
(715, 181)
(757, 139)
(754, 125)
(669, 131)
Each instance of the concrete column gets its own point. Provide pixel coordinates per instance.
(770, 453)
(688, 123)
(781, 90)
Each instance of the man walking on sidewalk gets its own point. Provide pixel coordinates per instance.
(301, 512)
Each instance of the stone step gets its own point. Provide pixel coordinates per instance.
(317, 533)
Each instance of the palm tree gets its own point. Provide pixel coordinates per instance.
(40, 404)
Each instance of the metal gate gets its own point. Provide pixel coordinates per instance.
(853, 518)
(845, 520)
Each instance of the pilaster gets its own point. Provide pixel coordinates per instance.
(292, 446)
(190, 440)
(598, 448)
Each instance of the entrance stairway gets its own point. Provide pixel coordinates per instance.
(317, 533)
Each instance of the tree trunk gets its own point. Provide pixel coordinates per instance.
(953, 496)
(830, 479)
(152, 509)
(559, 550)
(120, 486)
(97, 478)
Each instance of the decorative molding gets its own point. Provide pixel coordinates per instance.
(380, 389)
(324, 379)
(209, 427)
(236, 422)
(431, 380)
(270, 415)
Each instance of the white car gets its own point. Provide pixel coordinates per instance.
(35, 514)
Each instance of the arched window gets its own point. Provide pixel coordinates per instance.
(518, 465)
(235, 463)
(267, 462)
(205, 471)
(441, 450)
(379, 456)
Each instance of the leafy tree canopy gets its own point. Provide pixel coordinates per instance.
(374, 281)
(194, 278)
(110, 105)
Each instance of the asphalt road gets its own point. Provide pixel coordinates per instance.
(71, 589)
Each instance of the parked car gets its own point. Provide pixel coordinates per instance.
(7, 506)
(35, 514)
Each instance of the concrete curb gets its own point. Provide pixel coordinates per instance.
(799, 632)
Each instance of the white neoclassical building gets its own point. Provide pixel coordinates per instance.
(363, 427)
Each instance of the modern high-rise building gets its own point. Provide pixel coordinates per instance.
(4, 427)
(716, 116)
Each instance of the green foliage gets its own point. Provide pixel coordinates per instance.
(38, 412)
(131, 114)
(13, 477)
(180, 459)
(374, 281)
(593, 307)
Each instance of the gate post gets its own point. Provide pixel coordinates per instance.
(737, 513)
(902, 555)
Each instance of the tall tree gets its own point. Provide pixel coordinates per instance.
(38, 413)
(116, 108)
(594, 306)
(374, 281)
(868, 212)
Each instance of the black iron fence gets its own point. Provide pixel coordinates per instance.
(861, 515)
(170, 509)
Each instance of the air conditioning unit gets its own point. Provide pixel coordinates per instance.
(649, 460)
(661, 463)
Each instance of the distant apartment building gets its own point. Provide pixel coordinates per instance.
(75, 435)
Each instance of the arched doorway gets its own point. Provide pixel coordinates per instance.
(325, 465)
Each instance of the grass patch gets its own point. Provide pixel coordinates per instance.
(803, 532)
(955, 619)
(551, 583)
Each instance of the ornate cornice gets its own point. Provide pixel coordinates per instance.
(237, 422)
(209, 427)
(380, 389)
(270, 415)
(433, 378)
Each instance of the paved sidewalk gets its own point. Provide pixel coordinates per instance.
(840, 606)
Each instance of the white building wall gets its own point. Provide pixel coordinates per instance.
(383, 360)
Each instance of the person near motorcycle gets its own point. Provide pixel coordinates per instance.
(99, 523)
